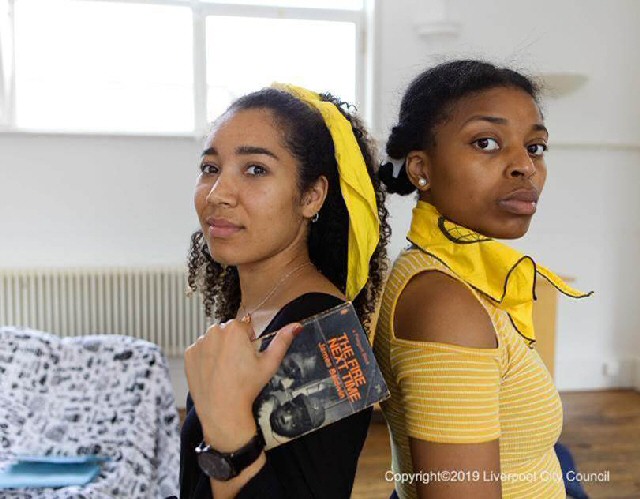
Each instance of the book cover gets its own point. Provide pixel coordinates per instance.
(328, 373)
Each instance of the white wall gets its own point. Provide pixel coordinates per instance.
(91, 200)
(86, 201)
(592, 37)
(588, 224)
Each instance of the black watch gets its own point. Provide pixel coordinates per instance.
(224, 466)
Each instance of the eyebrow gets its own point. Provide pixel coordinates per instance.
(538, 127)
(212, 151)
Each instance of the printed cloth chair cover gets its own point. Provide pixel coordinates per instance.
(102, 394)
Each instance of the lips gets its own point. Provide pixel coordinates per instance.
(222, 228)
(520, 202)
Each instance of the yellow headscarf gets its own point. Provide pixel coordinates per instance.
(356, 187)
(501, 273)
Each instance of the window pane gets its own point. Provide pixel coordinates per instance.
(5, 60)
(245, 54)
(103, 66)
(318, 4)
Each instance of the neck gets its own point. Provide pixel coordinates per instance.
(426, 197)
(257, 279)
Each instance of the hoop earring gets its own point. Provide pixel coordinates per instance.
(315, 217)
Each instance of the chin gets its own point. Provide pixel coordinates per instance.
(514, 230)
(232, 255)
(223, 256)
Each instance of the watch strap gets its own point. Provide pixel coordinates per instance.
(246, 455)
(237, 460)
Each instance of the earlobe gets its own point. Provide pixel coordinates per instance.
(313, 199)
(418, 169)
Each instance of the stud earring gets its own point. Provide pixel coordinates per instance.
(422, 181)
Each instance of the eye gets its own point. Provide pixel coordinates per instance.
(208, 169)
(256, 170)
(537, 150)
(487, 144)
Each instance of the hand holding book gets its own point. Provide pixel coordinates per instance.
(300, 379)
(226, 373)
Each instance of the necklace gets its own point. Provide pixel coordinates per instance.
(248, 313)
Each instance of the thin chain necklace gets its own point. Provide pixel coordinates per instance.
(249, 313)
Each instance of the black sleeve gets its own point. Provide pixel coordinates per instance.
(323, 463)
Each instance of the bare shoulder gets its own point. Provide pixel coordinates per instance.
(321, 284)
(436, 307)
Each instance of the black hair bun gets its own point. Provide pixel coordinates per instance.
(395, 185)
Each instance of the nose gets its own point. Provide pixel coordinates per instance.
(520, 164)
(223, 191)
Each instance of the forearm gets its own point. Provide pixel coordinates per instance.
(228, 436)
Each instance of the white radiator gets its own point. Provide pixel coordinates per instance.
(144, 303)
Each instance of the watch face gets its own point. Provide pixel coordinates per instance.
(215, 466)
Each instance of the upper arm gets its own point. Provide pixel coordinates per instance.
(473, 469)
(434, 307)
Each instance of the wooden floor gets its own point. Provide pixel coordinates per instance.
(601, 428)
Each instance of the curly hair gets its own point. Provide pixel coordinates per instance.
(309, 141)
(427, 102)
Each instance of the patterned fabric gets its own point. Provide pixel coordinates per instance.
(103, 394)
(453, 394)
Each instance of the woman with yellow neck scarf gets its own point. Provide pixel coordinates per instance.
(473, 410)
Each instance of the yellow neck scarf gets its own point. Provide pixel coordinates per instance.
(501, 273)
(355, 185)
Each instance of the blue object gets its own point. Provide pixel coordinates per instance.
(50, 471)
(88, 458)
(574, 487)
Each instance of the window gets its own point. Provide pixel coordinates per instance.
(6, 64)
(309, 53)
(167, 66)
(98, 65)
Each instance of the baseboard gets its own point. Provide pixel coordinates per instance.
(636, 374)
(597, 373)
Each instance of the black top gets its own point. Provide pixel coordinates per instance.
(321, 464)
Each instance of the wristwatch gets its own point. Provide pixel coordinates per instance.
(224, 466)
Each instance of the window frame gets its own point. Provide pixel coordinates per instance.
(7, 75)
(201, 10)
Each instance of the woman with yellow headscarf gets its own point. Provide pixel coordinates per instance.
(292, 223)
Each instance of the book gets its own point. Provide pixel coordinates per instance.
(50, 471)
(328, 373)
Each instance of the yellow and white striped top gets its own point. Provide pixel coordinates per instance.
(453, 394)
